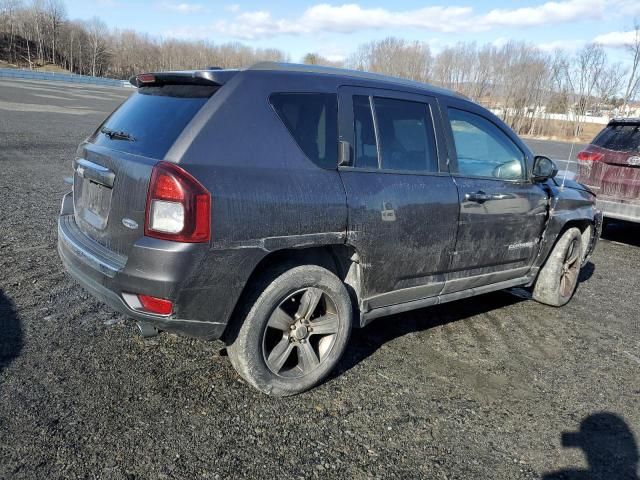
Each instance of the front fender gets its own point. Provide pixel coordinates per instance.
(569, 206)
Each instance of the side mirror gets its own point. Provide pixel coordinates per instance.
(344, 154)
(543, 169)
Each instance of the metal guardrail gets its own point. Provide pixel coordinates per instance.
(62, 77)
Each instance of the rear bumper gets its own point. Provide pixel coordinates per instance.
(618, 210)
(154, 267)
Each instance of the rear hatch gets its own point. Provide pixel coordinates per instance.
(113, 171)
(610, 165)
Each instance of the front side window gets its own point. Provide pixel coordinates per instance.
(405, 131)
(312, 120)
(483, 149)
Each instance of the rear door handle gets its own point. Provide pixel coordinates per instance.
(478, 197)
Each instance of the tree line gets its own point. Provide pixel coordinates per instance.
(38, 33)
(523, 83)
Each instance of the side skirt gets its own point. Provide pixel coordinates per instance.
(367, 317)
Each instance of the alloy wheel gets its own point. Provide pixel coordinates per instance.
(300, 333)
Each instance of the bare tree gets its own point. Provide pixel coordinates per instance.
(317, 59)
(610, 83)
(393, 56)
(526, 86)
(583, 75)
(56, 13)
(633, 82)
(9, 23)
(97, 31)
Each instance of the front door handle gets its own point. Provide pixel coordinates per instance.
(477, 197)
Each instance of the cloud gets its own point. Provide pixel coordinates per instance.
(550, 12)
(352, 17)
(333, 52)
(500, 42)
(570, 45)
(183, 7)
(616, 39)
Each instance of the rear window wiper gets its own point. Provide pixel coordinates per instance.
(117, 135)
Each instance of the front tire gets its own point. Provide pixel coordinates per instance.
(558, 279)
(294, 333)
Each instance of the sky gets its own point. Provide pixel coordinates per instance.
(336, 29)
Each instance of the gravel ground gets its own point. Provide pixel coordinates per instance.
(480, 388)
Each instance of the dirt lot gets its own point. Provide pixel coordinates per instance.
(482, 388)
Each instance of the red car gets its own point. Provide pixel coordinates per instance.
(610, 166)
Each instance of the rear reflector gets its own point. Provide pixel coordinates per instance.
(587, 156)
(155, 304)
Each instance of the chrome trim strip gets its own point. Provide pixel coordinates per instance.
(92, 171)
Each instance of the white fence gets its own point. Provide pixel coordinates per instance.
(562, 116)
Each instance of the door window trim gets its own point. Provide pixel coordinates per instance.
(376, 130)
(346, 128)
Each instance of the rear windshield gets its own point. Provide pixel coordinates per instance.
(149, 122)
(621, 138)
(312, 120)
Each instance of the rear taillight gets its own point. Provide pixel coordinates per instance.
(178, 206)
(156, 305)
(587, 156)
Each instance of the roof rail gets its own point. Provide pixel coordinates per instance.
(344, 72)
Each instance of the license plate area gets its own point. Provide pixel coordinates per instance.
(94, 203)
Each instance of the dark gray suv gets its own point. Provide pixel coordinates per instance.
(278, 206)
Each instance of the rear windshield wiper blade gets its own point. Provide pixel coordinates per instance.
(117, 135)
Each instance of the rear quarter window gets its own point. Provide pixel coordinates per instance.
(154, 117)
(312, 120)
(620, 138)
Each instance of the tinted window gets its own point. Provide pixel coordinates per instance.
(311, 118)
(406, 135)
(154, 117)
(366, 151)
(483, 149)
(621, 138)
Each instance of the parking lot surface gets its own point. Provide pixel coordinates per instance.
(484, 388)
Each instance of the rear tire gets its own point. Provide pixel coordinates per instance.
(294, 333)
(558, 279)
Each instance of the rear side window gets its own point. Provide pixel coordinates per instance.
(312, 120)
(153, 118)
(405, 130)
(620, 138)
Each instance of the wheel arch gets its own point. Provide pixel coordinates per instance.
(340, 259)
(559, 224)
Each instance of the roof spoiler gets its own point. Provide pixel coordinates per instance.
(197, 77)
